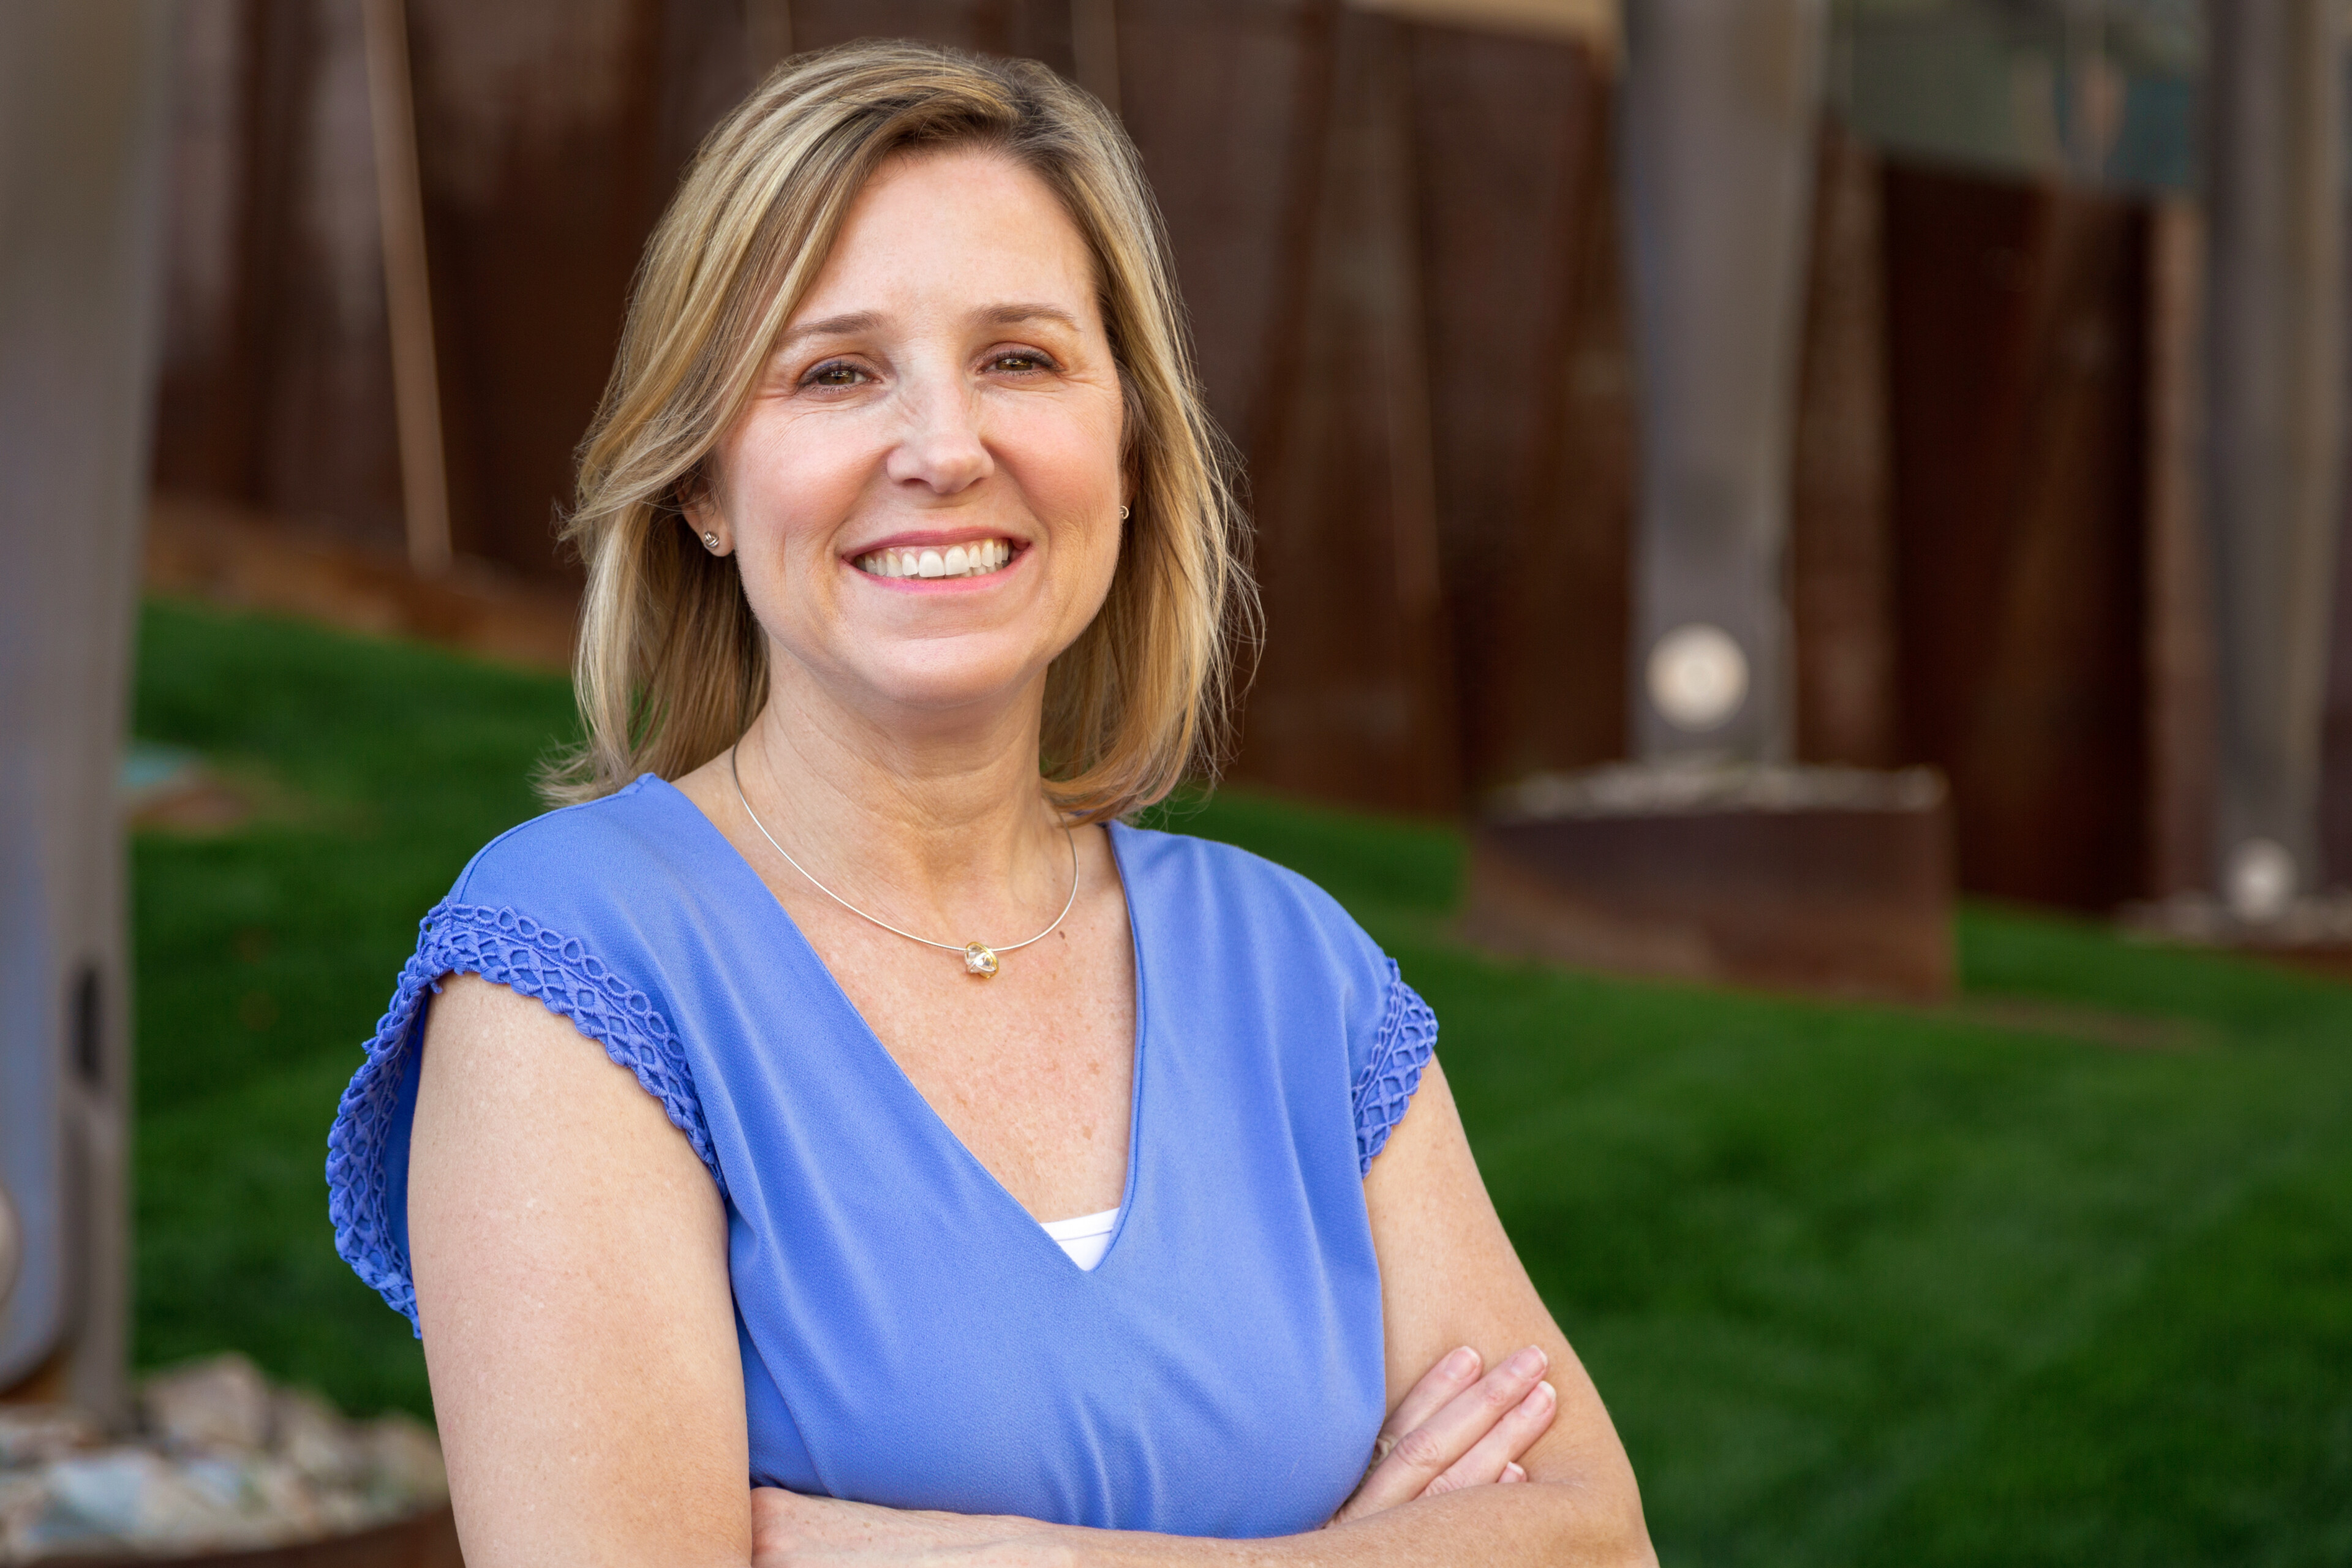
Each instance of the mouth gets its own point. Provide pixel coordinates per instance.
(971, 558)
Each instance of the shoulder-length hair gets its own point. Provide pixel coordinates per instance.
(672, 666)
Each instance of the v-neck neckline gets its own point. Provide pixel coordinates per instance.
(890, 1067)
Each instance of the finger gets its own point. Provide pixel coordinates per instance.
(1385, 1485)
(1453, 1372)
(1430, 1449)
(1509, 1437)
(1511, 1472)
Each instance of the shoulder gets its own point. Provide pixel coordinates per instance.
(642, 831)
(1231, 892)
(599, 912)
(1308, 958)
(636, 868)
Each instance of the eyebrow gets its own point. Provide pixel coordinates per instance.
(1007, 315)
(832, 326)
(1015, 315)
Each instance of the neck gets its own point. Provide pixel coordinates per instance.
(936, 822)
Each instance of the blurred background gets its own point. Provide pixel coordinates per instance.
(1799, 545)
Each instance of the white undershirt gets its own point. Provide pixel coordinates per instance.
(1085, 1238)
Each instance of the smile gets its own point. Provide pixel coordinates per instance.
(976, 559)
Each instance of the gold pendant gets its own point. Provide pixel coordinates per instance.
(979, 959)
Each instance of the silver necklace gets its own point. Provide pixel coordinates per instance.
(979, 958)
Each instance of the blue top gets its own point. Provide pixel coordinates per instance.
(911, 1335)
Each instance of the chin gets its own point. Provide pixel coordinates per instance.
(940, 682)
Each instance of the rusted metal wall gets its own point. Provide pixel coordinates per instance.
(1398, 243)
(538, 143)
(1840, 536)
(2017, 335)
(1354, 694)
(1529, 393)
(276, 381)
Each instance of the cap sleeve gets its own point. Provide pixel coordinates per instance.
(367, 1150)
(1400, 1053)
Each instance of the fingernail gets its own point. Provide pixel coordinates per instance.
(1530, 1361)
(1461, 1363)
(1513, 1473)
(1540, 1396)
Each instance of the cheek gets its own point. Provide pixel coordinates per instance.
(1090, 568)
(1069, 460)
(791, 488)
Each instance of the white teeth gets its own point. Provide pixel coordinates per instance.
(977, 559)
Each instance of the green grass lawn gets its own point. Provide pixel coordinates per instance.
(2062, 1274)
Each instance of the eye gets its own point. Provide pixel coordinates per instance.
(1021, 362)
(835, 372)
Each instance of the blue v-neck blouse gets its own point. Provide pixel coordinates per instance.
(911, 1335)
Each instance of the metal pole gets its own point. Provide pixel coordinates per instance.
(82, 91)
(408, 296)
(1719, 127)
(2275, 358)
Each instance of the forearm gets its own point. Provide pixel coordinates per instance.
(1547, 1523)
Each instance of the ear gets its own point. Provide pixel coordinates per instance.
(699, 505)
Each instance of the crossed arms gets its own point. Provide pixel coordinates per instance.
(569, 1255)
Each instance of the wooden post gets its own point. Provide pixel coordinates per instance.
(82, 114)
(1719, 110)
(400, 204)
(2273, 438)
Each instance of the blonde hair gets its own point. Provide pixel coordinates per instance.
(672, 666)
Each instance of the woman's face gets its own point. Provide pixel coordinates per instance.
(925, 489)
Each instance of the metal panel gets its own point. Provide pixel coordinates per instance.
(2274, 442)
(81, 100)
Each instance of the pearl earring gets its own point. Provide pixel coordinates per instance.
(711, 540)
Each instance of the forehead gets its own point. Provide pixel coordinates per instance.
(967, 226)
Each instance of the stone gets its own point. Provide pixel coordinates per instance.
(225, 1463)
(309, 1434)
(220, 1403)
(407, 1464)
(134, 1497)
(31, 1434)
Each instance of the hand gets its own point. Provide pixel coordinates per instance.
(789, 1530)
(1457, 1429)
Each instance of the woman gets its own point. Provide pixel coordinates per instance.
(903, 483)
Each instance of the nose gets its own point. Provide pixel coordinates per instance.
(940, 448)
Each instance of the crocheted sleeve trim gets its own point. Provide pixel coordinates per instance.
(517, 952)
(1401, 1052)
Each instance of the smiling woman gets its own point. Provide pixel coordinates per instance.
(899, 1218)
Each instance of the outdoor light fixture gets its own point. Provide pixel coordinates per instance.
(2259, 880)
(1698, 677)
